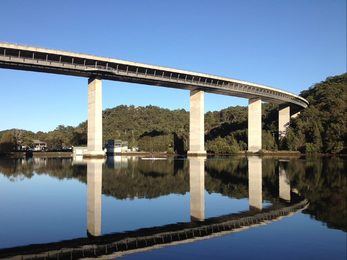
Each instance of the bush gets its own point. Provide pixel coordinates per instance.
(220, 145)
(311, 148)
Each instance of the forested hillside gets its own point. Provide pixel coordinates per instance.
(322, 126)
(319, 128)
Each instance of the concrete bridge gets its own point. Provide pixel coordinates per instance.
(13, 56)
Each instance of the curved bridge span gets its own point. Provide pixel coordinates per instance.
(149, 238)
(20, 57)
(61, 62)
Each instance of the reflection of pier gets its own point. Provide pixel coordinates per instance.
(94, 183)
(197, 188)
(284, 185)
(255, 182)
(97, 244)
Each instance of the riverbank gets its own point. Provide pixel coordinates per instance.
(38, 155)
(262, 153)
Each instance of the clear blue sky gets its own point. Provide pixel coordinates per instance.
(284, 44)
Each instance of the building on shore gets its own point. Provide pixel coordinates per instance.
(116, 146)
(39, 146)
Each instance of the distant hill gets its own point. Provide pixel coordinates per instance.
(319, 128)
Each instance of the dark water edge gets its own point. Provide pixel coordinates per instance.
(262, 153)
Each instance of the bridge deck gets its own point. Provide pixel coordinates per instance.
(13, 56)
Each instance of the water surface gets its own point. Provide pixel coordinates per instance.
(49, 200)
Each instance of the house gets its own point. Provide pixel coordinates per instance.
(78, 152)
(116, 146)
(39, 145)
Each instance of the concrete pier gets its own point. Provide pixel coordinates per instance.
(284, 184)
(283, 121)
(196, 124)
(197, 188)
(94, 183)
(255, 183)
(94, 146)
(254, 125)
(295, 115)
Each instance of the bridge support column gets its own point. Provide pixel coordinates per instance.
(254, 125)
(197, 188)
(196, 124)
(94, 187)
(284, 184)
(94, 118)
(295, 115)
(283, 121)
(255, 193)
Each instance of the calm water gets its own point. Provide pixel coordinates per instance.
(50, 200)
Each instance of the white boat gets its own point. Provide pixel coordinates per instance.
(153, 158)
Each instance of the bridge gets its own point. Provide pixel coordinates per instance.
(95, 68)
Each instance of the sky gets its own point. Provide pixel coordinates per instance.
(289, 45)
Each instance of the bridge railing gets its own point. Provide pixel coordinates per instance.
(132, 71)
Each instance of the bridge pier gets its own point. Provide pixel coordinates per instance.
(197, 188)
(94, 145)
(255, 193)
(283, 120)
(284, 184)
(196, 124)
(94, 188)
(254, 125)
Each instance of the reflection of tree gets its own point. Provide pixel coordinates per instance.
(229, 176)
(15, 169)
(145, 179)
(322, 181)
(58, 168)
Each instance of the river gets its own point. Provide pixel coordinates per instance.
(175, 208)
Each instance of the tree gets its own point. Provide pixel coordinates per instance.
(323, 123)
(7, 143)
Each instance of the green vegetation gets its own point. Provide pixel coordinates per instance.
(321, 128)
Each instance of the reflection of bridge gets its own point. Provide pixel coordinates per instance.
(97, 68)
(199, 227)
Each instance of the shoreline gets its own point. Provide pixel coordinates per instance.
(263, 154)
